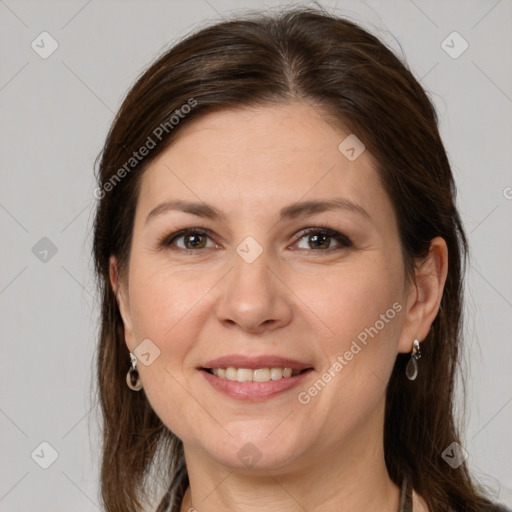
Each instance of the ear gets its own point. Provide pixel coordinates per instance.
(121, 292)
(424, 295)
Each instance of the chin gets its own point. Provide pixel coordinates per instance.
(257, 452)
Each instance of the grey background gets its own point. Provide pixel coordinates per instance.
(55, 116)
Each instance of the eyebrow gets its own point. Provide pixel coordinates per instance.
(299, 209)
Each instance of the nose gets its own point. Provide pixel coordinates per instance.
(254, 297)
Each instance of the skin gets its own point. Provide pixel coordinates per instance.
(295, 300)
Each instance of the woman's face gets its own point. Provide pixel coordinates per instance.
(263, 287)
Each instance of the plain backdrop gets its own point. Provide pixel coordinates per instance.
(55, 115)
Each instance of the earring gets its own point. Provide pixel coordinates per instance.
(132, 377)
(411, 370)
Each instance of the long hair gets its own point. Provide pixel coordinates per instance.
(332, 63)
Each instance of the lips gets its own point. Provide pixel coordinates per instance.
(254, 363)
(289, 373)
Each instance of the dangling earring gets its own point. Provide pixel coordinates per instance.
(132, 377)
(411, 370)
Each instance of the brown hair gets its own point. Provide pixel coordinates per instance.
(302, 54)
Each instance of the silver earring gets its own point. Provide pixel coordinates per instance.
(411, 370)
(132, 377)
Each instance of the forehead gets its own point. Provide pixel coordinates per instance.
(282, 133)
(259, 159)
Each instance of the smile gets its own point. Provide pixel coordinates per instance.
(254, 379)
(249, 375)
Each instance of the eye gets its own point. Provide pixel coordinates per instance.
(321, 238)
(193, 239)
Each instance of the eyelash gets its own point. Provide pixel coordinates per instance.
(342, 239)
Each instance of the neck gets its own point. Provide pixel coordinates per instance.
(352, 476)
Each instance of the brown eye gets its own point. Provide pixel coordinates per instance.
(321, 239)
(189, 239)
(196, 241)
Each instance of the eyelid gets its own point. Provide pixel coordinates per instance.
(197, 230)
(343, 240)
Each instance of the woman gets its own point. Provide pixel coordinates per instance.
(281, 265)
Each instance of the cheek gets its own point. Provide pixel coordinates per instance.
(357, 302)
(162, 299)
(168, 307)
(362, 306)
(363, 310)
(350, 310)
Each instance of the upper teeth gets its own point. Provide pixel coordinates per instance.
(259, 375)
